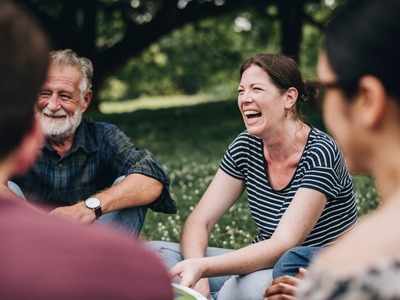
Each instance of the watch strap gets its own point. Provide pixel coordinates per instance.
(98, 212)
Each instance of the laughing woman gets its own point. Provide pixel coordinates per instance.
(299, 190)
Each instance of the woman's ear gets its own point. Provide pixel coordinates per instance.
(371, 102)
(292, 96)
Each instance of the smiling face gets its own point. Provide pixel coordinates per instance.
(261, 103)
(60, 103)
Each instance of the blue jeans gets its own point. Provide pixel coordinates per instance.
(290, 262)
(244, 287)
(130, 220)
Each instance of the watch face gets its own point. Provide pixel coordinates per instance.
(92, 202)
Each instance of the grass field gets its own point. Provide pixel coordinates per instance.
(190, 142)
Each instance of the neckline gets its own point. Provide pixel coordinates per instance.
(297, 167)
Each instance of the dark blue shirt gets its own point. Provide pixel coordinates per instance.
(99, 155)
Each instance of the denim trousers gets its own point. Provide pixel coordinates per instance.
(129, 220)
(293, 259)
(235, 287)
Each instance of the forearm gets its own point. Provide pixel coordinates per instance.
(134, 190)
(194, 239)
(249, 259)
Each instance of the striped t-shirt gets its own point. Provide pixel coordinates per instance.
(321, 167)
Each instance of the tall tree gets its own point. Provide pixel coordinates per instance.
(112, 31)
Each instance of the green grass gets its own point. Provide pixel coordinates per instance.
(155, 103)
(190, 142)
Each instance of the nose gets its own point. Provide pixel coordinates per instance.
(53, 103)
(247, 97)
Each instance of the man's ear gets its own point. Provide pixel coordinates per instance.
(371, 102)
(29, 149)
(292, 96)
(86, 100)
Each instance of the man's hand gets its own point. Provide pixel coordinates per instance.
(284, 287)
(189, 271)
(78, 212)
(4, 190)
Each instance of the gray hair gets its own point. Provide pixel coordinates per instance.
(68, 57)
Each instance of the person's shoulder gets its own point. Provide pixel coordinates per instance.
(374, 232)
(101, 127)
(76, 251)
(322, 144)
(107, 133)
(322, 139)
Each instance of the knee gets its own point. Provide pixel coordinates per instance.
(250, 287)
(169, 252)
(292, 260)
(157, 245)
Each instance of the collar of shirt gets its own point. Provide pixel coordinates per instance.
(85, 138)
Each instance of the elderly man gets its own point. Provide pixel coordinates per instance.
(89, 170)
(42, 256)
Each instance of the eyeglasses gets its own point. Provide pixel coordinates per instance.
(349, 87)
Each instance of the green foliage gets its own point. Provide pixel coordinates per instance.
(204, 57)
(200, 57)
(367, 198)
(190, 142)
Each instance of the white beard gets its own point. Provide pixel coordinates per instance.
(58, 129)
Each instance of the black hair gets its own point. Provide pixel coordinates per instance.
(362, 39)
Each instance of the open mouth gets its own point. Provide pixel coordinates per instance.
(251, 114)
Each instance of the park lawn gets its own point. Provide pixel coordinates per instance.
(190, 142)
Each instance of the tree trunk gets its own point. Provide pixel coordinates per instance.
(291, 16)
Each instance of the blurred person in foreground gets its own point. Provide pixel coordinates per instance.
(44, 257)
(299, 191)
(358, 69)
(89, 170)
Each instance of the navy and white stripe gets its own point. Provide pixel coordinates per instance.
(320, 168)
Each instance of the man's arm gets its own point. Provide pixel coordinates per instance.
(145, 181)
(134, 190)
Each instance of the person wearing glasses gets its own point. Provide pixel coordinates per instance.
(299, 191)
(358, 69)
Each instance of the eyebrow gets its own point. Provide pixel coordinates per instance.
(253, 84)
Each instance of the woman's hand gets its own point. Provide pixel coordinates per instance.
(203, 287)
(189, 271)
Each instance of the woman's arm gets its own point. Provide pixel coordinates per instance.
(295, 225)
(219, 196)
(222, 192)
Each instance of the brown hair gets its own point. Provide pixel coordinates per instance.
(23, 60)
(284, 74)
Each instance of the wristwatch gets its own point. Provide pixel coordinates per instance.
(95, 205)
